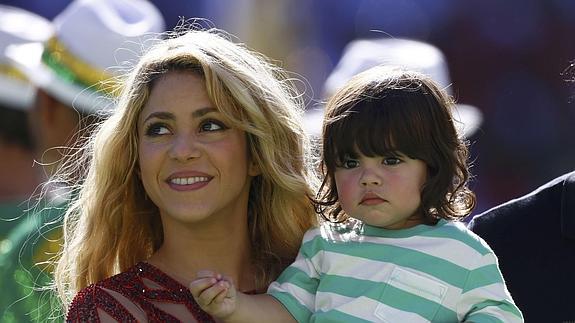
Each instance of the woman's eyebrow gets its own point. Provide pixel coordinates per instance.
(203, 111)
(160, 115)
(170, 116)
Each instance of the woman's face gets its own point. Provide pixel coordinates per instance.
(193, 166)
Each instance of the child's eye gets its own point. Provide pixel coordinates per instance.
(350, 163)
(212, 125)
(390, 161)
(157, 129)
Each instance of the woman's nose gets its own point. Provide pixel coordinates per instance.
(185, 148)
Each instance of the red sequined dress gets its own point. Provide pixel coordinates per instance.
(142, 293)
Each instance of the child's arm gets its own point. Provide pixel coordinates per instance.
(218, 297)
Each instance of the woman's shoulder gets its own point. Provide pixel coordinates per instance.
(137, 294)
(101, 298)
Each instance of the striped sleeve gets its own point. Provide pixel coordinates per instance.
(296, 287)
(484, 297)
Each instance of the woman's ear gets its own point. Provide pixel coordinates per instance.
(137, 171)
(253, 169)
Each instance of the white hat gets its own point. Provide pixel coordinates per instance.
(360, 55)
(92, 39)
(18, 26)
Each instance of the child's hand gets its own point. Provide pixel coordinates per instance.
(214, 293)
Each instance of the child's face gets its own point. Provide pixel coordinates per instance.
(382, 191)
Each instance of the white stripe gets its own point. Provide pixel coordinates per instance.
(307, 265)
(451, 250)
(416, 284)
(310, 235)
(300, 294)
(350, 266)
(489, 292)
(365, 308)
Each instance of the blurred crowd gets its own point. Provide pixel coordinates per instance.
(507, 59)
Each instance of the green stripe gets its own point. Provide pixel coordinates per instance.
(445, 314)
(437, 267)
(483, 318)
(483, 276)
(417, 230)
(503, 305)
(63, 72)
(351, 287)
(298, 278)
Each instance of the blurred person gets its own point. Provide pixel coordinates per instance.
(204, 163)
(17, 178)
(534, 239)
(73, 72)
(394, 162)
(362, 54)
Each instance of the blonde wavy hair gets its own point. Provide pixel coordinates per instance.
(110, 225)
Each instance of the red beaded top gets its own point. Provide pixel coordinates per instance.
(130, 284)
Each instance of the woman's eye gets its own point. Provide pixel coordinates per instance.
(157, 129)
(212, 125)
(390, 161)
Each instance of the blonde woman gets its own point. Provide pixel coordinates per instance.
(203, 165)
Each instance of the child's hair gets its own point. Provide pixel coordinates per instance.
(385, 111)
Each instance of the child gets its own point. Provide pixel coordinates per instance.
(395, 178)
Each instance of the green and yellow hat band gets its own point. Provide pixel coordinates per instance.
(73, 70)
(11, 72)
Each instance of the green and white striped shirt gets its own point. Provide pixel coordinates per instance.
(441, 273)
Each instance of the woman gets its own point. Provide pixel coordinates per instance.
(203, 165)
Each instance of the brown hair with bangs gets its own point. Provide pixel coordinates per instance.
(385, 111)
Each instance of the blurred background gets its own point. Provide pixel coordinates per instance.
(508, 58)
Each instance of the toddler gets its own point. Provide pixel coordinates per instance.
(390, 249)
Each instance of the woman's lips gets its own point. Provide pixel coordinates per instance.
(188, 181)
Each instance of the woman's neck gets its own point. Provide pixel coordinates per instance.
(225, 250)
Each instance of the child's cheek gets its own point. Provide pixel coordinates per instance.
(346, 192)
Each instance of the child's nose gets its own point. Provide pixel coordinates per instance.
(369, 178)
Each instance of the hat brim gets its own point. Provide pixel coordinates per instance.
(467, 120)
(16, 94)
(28, 59)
